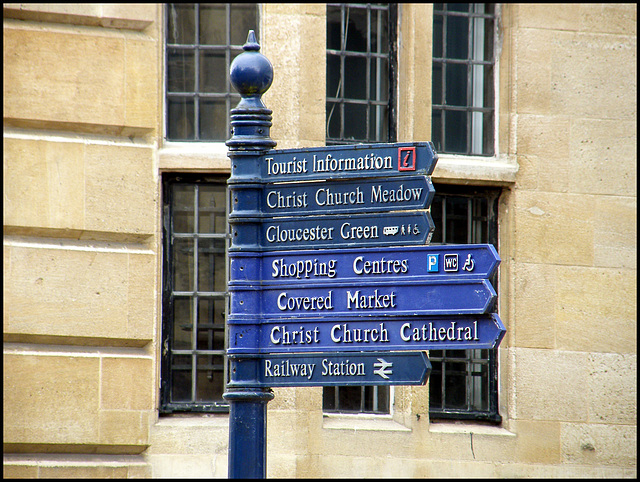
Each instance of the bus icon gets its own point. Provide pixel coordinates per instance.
(390, 230)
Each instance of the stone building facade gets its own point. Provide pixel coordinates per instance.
(84, 154)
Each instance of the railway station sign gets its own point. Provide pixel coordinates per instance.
(330, 369)
(335, 197)
(357, 230)
(379, 334)
(337, 162)
(363, 265)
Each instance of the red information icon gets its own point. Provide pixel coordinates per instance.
(407, 159)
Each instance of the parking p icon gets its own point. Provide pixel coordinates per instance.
(432, 263)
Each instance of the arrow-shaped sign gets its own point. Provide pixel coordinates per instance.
(329, 369)
(335, 197)
(371, 265)
(348, 301)
(355, 230)
(336, 162)
(371, 334)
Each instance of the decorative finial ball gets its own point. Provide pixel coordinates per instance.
(251, 73)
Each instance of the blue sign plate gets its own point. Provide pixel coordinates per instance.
(333, 369)
(369, 265)
(335, 197)
(375, 334)
(356, 230)
(339, 300)
(337, 162)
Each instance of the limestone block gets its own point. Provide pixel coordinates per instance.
(79, 293)
(550, 385)
(117, 15)
(597, 444)
(55, 77)
(616, 244)
(50, 399)
(124, 427)
(591, 75)
(291, 39)
(554, 228)
(534, 305)
(551, 16)
(537, 442)
(43, 183)
(58, 76)
(120, 189)
(613, 396)
(126, 384)
(544, 140)
(141, 62)
(603, 157)
(613, 18)
(190, 436)
(596, 309)
(533, 64)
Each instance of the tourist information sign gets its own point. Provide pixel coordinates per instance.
(363, 230)
(335, 197)
(478, 261)
(368, 334)
(331, 369)
(337, 162)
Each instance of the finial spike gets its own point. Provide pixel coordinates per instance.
(251, 43)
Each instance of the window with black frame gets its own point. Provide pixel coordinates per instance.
(463, 384)
(202, 39)
(463, 100)
(194, 299)
(361, 80)
(361, 73)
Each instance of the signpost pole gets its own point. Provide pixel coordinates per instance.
(251, 74)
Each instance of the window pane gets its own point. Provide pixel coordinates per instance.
(211, 324)
(457, 46)
(211, 260)
(212, 207)
(379, 79)
(182, 323)
(181, 378)
(333, 120)
(333, 75)
(210, 383)
(456, 84)
(243, 19)
(366, 77)
(207, 57)
(194, 294)
(181, 71)
(357, 29)
(183, 264)
(355, 122)
(455, 127)
(213, 28)
(183, 209)
(213, 74)
(180, 115)
(356, 69)
(213, 120)
(181, 22)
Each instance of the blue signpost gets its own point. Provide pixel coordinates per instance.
(331, 369)
(397, 263)
(410, 333)
(336, 197)
(331, 282)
